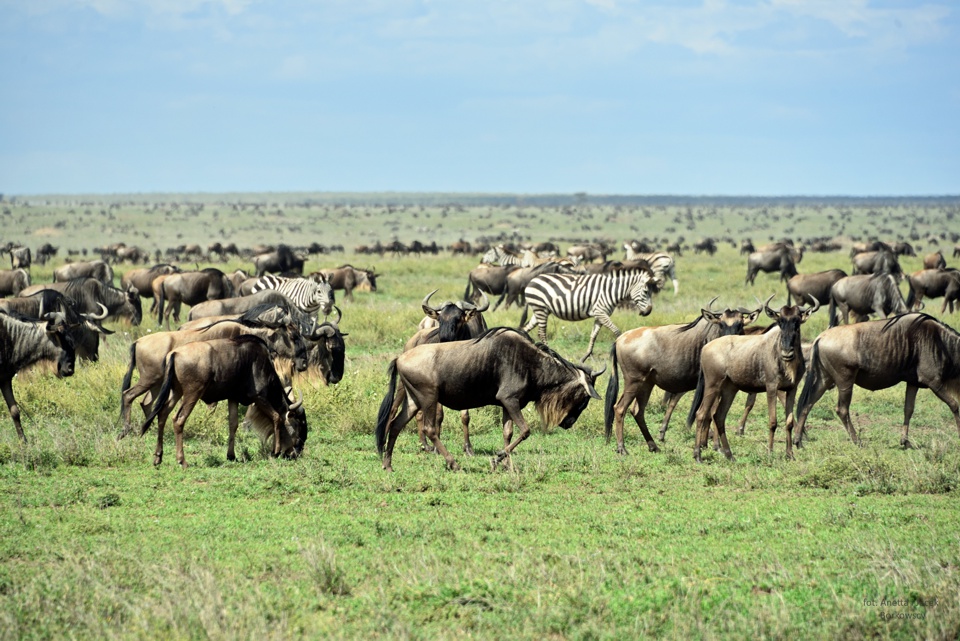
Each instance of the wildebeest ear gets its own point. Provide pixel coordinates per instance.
(749, 317)
(713, 317)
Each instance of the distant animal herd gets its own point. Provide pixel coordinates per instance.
(248, 331)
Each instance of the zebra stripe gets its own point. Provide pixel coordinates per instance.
(661, 263)
(499, 256)
(575, 297)
(308, 295)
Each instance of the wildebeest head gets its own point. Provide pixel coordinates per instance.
(58, 330)
(730, 321)
(578, 394)
(293, 433)
(789, 319)
(136, 309)
(329, 350)
(453, 318)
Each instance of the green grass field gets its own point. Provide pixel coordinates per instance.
(576, 542)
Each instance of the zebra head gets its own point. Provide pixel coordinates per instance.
(642, 292)
(323, 296)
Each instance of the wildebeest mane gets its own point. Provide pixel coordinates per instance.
(919, 318)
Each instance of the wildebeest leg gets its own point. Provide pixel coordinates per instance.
(788, 400)
(844, 396)
(671, 405)
(127, 399)
(178, 422)
(511, 411)
(624, 404)
(727, 394)
(909, 402)
(431, 429)
(400, 419)
(465, 422)
(704, 418)
(232, 422)
(161, 424)
(638, 411)
(945, 396)
(7, 387)
(747, 408)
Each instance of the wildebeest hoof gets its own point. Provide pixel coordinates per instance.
(621, 450)
(468, 450)
(906, 444)
(653, 446)
(453, 466)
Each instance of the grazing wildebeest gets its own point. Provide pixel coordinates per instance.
(579, 297)
(705, 245)
(935, 260)
(86, 327)
(190, 288)
(915, 349)
(449, 322)
(501, 367)
(13, 281)
(934, 283)
(746, 246)
(25, 341)
(282, 260)
(147, 354)
(667, 357)
(240, 371)
(20, 257)
(877, 262)
(237, 304)
(348, 278)
(45, 252)
(90, 294)
(778, 257)
(865, 294)
(769, 362)
(817, 284)
(98, 269)
(488, 279)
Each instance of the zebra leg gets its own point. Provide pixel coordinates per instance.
(602, 320)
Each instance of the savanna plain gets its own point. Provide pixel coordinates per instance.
(574, 542)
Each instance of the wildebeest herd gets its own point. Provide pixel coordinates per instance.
(247, 334)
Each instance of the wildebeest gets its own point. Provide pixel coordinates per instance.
(98, 269)
(348, 278)
(501, 367)
(240, 371)
(705, 245)
(865, 294)
(746, 246)
(817, 284)
(488, 279)
(667, 357)
(915, 349)
(85, 327)
(769, 362)
(237, 304)
(934, 261)
(279, 261)
(13, 281)
(579, 297)
(142, 279)
(90, 294)
(147, 355)
(20, 257)
(934, 283)
(25, 341)
(45, 252)
(172, 290)
(778, 257)
(448, 322)
(877, 262)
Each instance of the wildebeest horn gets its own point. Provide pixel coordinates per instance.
(296, 406)
(596, 375)
(710, 304)
(339, 315)
(429, 311)
(816, 304)
(103, 314)
(485, 304)
(766, 305)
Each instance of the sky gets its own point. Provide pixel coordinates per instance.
(706, 97)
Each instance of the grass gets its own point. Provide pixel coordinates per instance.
(576, 542)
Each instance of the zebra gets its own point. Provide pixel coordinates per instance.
(500, 256)
(307, 294)
(576, 297)
(661, 263)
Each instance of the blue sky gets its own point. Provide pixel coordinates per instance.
(751, 97)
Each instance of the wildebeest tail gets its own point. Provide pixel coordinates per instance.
(833, 311)
(383, 415)
(523, 317)
(160, 302)
(812, 380)
(163, 395)
(128, 377)
(613, 390)
(911, 295)
(466, 292)
(697, 399)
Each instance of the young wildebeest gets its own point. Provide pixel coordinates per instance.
(913, 348)
(865, 294)
(13, 281)
(25, 341)
(348, 278)
(768, 362)
(667, 357)
(502, 367)
(240, 371)
(449, 322)
(933, 283)
(147, 355)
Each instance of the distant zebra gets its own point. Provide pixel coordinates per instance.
(661, 263)
(500, 256)
(578, 297)
(307, 294)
